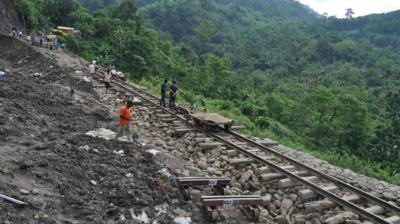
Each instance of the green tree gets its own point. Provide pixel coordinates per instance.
(349, 13)
(204, 31)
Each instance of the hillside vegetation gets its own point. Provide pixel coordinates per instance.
(325, 85)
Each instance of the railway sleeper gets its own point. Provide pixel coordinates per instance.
(245, 161)
(218, 184)
(326, 203)
(249, 204)
(168, 120)
(235, 153)
(210, 145)
(274, 176)
(291, 183)
(307, 193)
(394, 219)
(163, 115)
(266, 169)
(184, 130)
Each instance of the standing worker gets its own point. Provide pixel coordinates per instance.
(91, 71)
(107, 80)
(163, 93)
(28, 39)
(124, 121)
(173, 90)
(41, 41)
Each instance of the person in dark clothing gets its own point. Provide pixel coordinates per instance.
(163, 93)
(41, 42)
(173, 90)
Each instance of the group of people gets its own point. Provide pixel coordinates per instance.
(17, 33)
(173, 90)
(125, 113)
(108, 75)
(31, 38)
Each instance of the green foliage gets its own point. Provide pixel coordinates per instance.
(327, 85)
(204, 31)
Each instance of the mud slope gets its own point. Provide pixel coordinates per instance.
(47, 161)
(8, 17)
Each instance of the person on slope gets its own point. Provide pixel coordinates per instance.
(107, 80)
(173, 90)
(124, 121)
(91, 71)
(163, 93)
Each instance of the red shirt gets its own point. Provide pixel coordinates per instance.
(126, 112)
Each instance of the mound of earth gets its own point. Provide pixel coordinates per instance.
(48, 162)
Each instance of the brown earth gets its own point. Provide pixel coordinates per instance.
(47, 161)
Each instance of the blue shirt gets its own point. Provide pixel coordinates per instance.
(174, 88)
(163, 88)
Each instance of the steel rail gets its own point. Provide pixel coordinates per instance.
(259, 159)
(334, 180)
(290, 175)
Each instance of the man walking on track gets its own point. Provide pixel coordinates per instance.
(124, 121)
(173, 90)
(163, 93)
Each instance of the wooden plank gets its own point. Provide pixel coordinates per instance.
(212, 118)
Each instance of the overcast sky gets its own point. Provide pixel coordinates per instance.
(360, 7)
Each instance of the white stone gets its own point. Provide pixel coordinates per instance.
(211, 170)
(202, 165)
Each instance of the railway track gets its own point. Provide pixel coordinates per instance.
(285, 170)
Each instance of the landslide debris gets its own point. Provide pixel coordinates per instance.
(48, 162)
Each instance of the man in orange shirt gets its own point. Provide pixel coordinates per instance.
(124, 121)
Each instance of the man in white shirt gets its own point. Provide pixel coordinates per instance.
(92, 69)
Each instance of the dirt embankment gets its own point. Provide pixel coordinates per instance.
(8, 17)
(48, 162)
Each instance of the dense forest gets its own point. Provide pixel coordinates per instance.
(326, 85)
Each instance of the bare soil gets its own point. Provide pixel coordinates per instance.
(47, 161)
